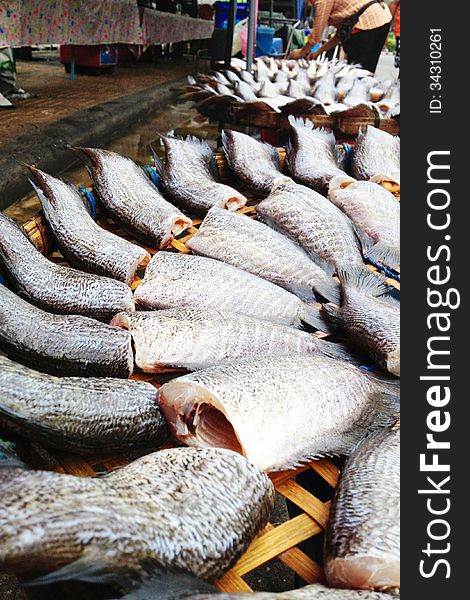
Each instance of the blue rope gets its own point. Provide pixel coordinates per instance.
(151, 173)
(88, 195)
(391, 274)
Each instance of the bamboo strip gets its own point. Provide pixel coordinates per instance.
(304, 500)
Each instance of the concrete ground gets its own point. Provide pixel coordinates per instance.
(59, 97)
(386, 68)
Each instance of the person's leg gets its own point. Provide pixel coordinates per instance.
(365, 47)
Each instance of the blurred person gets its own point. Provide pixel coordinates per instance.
(362, 27)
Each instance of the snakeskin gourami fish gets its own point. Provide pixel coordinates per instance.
(279, 411)
(362, 544)
(81, 241)
(133, 200)
(185, 508)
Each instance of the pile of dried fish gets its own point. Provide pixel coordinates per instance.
(258, 392)
(294, 87)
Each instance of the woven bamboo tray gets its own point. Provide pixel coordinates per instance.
(279, 541)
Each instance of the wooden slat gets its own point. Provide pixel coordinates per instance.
(304, 500)
(327, 470)
(300, 563)
(231, 582)
(271, 544)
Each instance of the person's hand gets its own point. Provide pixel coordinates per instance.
(296, 54)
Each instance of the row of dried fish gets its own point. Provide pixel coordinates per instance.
(294, 87)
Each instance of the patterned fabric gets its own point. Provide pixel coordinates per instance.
(333, 12)
(164, 28)
(29, 22)
(7, 70)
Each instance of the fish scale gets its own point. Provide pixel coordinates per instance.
(255, 164)
(185, 280)
(362, 545)
(279, 411)
(191, 509)
(322, 230)
(258, 249)
(133, 200)
(62, 344)
(376, 153)
(81, 415)
(82, 241)
(193, 339)
(376, 213)
(58, 288)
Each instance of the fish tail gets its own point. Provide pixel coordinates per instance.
(333, 317)
(300, 123)
(338, 351)
(327, 288)
(159, 166)
(385, 254)
(312, 315)
(171, 584)
(88, 568)
(361, 278)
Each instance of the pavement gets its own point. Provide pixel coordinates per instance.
(92, 110)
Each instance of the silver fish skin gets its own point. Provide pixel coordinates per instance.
(190, 339)
(278, 411)
(371, 318)
(325, 90)
(62, 344)
(255, 164)
(254, 247)
(133, 200)
(358, 94)
(311, 156)
(244, 90)
(190, 173)
(181, 586)
(185, 508)
(311, 220)
(376, 153)
(376, 214)
(362, 544)
(81, 241)
(79, 414)
(58, 288)
(174, 280)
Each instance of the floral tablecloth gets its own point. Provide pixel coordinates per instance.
(163, 28)
(29, 22)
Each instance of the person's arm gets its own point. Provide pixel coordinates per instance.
(331, 43)
(322, 14)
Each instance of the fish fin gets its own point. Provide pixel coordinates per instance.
(9, 459)
(171, 584)
(299, 122)
(381, 412)
(89, 567)
(312, 315)
(333, 316)
(363, 279)
(206, 152)
(338, 351)
(384, 253)
(226, 146)
(328, 289)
